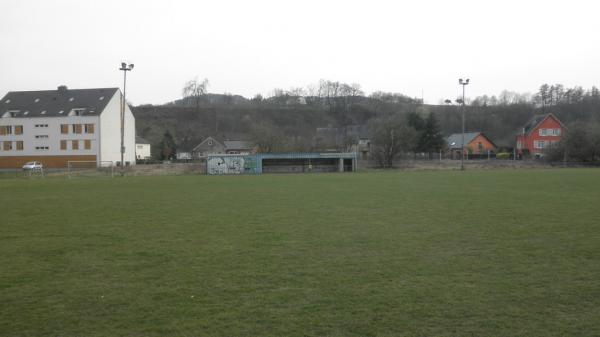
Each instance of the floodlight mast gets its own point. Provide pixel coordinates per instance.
(462, 143)
(125, 68)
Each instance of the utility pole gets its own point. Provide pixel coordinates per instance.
(125, 68)
(462, 143)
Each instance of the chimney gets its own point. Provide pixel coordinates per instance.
(62, 88)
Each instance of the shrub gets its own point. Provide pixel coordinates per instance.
(503, 155)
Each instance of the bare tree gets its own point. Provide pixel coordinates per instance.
(296, 92)
(195, 90)
(267, 137)
(391, 136)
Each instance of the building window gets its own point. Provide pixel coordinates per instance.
(6, 130)
(542, 132)
(9, 114)
(64, 128)
(87, 144)
(557, 132)
(76, 112)
(75, 145)
(539, 144)
(89, 128)
(18, 129)
(519, 144)
(3, 130)
(19, 145)
(41, 136)
(63, 144)
(41, 125)
(42, 148)
(7, 146)
(76, 128)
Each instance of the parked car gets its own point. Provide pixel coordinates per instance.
(33, 165)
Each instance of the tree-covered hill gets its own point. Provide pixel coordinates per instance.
(293, 117)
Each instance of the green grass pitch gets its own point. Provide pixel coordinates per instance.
(475, 253)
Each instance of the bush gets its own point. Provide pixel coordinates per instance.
(503, 155)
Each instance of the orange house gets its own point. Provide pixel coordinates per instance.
(475, 143)
(539, 134)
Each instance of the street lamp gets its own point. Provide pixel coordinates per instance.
(462, 143)
(125, 68)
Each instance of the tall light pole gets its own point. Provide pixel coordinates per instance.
(462, 143)
(125, 68)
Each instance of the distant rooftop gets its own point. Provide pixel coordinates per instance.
(533, 122)
(56, 103)
(454, 140)
(140, 140)
(238, 145)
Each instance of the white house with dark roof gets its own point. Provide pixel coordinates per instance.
(142, 149)
(58, 126)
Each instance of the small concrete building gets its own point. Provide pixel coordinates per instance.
(217, 164)
(183, 155)
(142, 149)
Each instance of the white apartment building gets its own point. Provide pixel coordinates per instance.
(58, 126)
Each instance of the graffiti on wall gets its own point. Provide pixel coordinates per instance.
(231, 165)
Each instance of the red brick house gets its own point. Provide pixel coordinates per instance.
(541, 132)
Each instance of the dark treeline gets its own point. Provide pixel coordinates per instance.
(327, 115)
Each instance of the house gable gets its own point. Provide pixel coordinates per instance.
(481, 144)
(208, 146)
(542, 121)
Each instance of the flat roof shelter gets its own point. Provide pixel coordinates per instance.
(280, 163)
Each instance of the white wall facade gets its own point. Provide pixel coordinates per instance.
(142, 151)
(42, 135)
(46, 132)
(110, 132)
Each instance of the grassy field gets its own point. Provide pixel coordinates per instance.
(476, 253)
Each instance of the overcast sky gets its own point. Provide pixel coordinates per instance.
(249, 47)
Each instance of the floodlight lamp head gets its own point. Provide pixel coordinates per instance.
(123, 65)
(460, 81)
(467, 81)
(131, 66)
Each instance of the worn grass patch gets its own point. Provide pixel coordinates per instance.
(488, 253)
